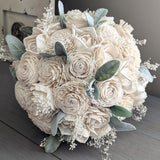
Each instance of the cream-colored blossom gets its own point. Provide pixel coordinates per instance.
(85, 37)
(71, 98)
(43, 125)
(73, 126)
(30, 44)
(81, 65)
(65, 37)
(41, 102)
(97, 121)
(110, 92)
(127, 102)
(27, 68)
(23, 94)
(51, 71)
(77, 18)
(107, 32)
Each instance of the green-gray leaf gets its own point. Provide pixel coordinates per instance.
(107, 70)
(13, 73)
(61, 51)
(46, 55)
(95, 92)
(89, 19)
(99, 14)
(120, 111)
(121, 126)
(61, 13)
(146, 74)
(99, 23)
(56, 119)
(26, 29)
(16, 47)
(52, 143)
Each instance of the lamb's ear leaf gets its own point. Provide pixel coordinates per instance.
(99, 23)
(120, 111)
(13, 73)
(52, 143)
(26, 29)
(61, 51)
(107, 70)
(16, 47)
(61, 14)
(55, 121)
(95, 93)
(146, 74)
(99, 14)
(121, 126)
(46, 55)
(89, 19)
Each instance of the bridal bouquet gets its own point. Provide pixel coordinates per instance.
(79, 75)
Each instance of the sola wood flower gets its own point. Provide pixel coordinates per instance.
(79, 75)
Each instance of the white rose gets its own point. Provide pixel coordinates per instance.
(110, 92)
(85, 37)
(97, 121)
(43, 125)
(107, 32)
(73, 126)
(101, 56)
(71, 98)
(51, 71)
(77, 18)
(81, 65)
(23, 94)
(65, 37)
(30, 44)
(27, 68)
(41, 102)
(124, 29)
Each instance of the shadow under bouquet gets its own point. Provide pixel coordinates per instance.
(79, 75)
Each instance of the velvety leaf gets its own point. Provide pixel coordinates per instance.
(56, 119)
(95, 92)
(107, 70)
(61, 13)
(89, 19)
(120, 111)
(13, 73)
(100, 13)
(46, 55)
(52, 143)
(61, 51)
(121, 126)
(26, 29)
(99, 23)
(146, 73)
(16, 47)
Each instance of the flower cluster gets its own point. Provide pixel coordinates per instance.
(63, 58)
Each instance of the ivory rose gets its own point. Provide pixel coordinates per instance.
(65, 37)
(107, 31)
(27, 68)
(41, 102)
(110, 92)
(73, 126)
(23, 95)
(43, 125)
(97, 121)
(77, 18)
(71, 98)
(81, 65)
(85, 37)
(51, 71)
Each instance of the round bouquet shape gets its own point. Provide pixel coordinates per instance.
(78, 76)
